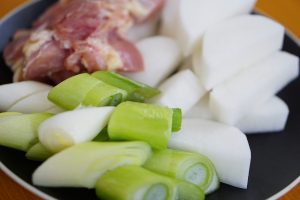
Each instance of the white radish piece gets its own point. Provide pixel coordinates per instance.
(200, 110)
(194, 17)
(233, 99)
(13, 92)
(34, 103)
(73, 127)
(187, 63)
(161, 57)
(182, 90)
(234, 45)
(271, 116)
(143, 30)
(226, 146)
(168, 17)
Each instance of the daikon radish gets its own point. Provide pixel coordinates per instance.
(270, 116)
(200, 110)
(169, 15)
(143, 30)
(83, 164)
(234, 45)
(13, 92)
(194, 17)
(73, 127)
(226, 146)
(161, 57)
(233, 99)
(182, 90)
(35, 103)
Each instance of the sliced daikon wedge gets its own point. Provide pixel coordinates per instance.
(13, 92)
(226, 146)
(182, 90)
(161, 57)
(169, 15)
(233, 99)
(268, 117)
(34, 103)
(83, 164)
(200, 110)
(194, 17)
(73, 127)
(236, 44)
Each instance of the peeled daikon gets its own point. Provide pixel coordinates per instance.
(200, 109)
(35, 103)
(161, 57)
(13, 92)
(181, 90)
(268, 117)
(143, 30)
(226, 146)
(73, 127)
(233, 99)
(234, 45)
(194, 17)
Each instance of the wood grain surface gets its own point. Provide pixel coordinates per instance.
(285, 11)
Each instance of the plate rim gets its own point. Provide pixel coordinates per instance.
(44, 195)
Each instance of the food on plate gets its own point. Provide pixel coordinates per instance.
(83, 164)
(190, 167)
(226, 146)
(187, 21)
(270, 76)
(138, 121)
(38, 152)
(270, 116)
(161, 55)
(136, 91)
(235, 45)
(73, 127)
(13, 92)
(78, 36)
(19, 131)
(182, 90)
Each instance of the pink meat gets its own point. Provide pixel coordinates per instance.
(46, 61)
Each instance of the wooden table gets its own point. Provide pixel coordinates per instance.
(285, 11)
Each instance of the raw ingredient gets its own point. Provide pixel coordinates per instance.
(234, 45)
(145, 122)
(226, 146)
(161, 56)
(38, 152)
(73, 127)
(19, 131)
(269, 76)
(83, 164)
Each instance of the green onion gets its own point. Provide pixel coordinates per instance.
(177, 118)
(136, 91)
(38, 153)
(186, 166)
(83, 164)
(139, 121)
(19, 131)
(135, 183)
(189, 191)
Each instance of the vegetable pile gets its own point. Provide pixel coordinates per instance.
(171, 131)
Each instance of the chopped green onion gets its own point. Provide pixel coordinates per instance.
(137, 91)
(70, 93)
(139, 121)
(135, 183)
(189, 191)
(186, 166)
(83, 164)
(38, 153)
(177, 118)
(20, 131)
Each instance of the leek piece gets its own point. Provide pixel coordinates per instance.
(103, 95)
(20, 131)
(136, 91)
(139, 121)
(176, 120)
(135, 183)
(83, 164)
(38, 153)
(73, 127)
(189, 191)
(9, 114)
(70, 93)
(186, 166)
(102, 136)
